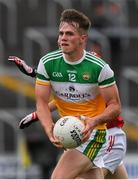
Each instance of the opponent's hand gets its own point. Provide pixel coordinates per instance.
(23, 67)
(28, 120)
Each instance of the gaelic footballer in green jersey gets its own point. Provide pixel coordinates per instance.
(76, 85)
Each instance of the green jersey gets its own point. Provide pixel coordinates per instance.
(76, 85)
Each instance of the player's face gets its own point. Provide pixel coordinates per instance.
(70, 40)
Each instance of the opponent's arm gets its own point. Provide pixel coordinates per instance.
(28, 120)
(23, 67)
(32, 117)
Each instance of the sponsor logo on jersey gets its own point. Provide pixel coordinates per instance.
(73, 94)
(57, 74)
(71, 88)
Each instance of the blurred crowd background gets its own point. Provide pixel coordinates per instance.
(29, 29)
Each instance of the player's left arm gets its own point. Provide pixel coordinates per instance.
(109, 91)
(112, 110)
(113, 104)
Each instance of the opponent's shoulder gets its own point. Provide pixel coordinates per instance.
(51, 56)
(94, 59)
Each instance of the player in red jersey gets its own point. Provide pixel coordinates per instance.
(116, 148)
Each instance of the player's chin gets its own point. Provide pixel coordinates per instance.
(65, 50)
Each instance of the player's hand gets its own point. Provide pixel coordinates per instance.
(28, 120)
(89, 126)
(56, 142)
(23, 67)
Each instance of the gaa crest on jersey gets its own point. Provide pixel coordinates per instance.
(86, 76)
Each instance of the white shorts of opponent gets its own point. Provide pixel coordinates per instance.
(116, 149)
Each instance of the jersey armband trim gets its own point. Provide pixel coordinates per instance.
(42, 77)
(42, 83)
(107, 85)
(107, 81)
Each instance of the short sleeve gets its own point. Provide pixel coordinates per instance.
(106, 76)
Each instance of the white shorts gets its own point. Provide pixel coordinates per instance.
(94, 147)
(116, 149)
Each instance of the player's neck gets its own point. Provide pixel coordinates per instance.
(72, 57)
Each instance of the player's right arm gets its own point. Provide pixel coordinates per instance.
(42, 98)
(42, 93)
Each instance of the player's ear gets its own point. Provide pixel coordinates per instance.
(84, 37)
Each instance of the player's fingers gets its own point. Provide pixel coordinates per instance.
(11, 59)
(86, 136)
(56, 142)
(14, 58)
(85, 130)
